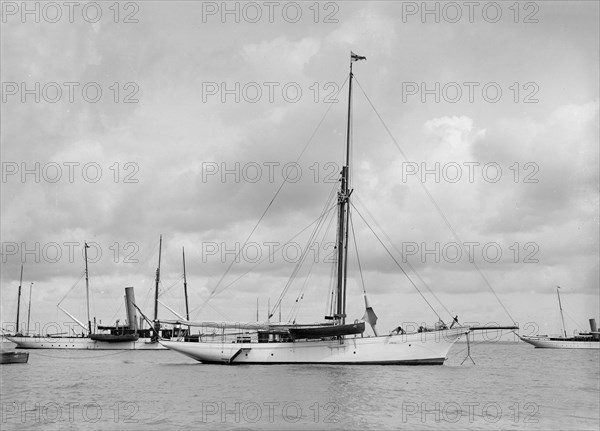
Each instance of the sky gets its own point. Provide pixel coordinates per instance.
(476, 127)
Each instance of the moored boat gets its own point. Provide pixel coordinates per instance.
(425, 348)
(333, 341)
(98, 337)
(12, 357)
(580, 340)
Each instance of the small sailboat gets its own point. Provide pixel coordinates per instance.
(97, 336)
(334, 341)
(10, 356)
(580, 340)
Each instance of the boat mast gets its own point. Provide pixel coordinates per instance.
(561, 311)
(19, 300)
(157, 281)
(87, 286)
(156, 324)
(187, 310)
(29, 308)
(343, 213)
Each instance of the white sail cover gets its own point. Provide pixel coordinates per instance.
(370, 315)
(237, 325)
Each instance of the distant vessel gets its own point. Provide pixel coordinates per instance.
(581, 340)
(99, 337)
(330, 342)
(12, 357)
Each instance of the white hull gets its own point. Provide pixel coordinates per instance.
(82, 343)
(547, 343)
(413, 349)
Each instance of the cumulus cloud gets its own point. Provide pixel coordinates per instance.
(158, 157)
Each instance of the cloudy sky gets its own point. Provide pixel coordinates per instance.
(182, 119)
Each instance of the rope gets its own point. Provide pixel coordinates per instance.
(437, 207)
(402, 255)
(294, 312)
(214, 290)
(72, 287)
(397, 263)
(200, 307)
(310, 241)
(362, 280)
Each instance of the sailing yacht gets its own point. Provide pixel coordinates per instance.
(580, 340)
(130, 336)
(335, 341)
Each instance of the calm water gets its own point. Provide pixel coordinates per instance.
(513, 386)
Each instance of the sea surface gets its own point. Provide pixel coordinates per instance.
(510, 386)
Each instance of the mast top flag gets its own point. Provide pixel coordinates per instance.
(356, 57)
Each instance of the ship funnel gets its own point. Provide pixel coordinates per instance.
(594, 329)
(132, 317)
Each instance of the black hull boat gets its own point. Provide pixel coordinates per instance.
(14, 358)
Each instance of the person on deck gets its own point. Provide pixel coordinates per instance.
(399, 330)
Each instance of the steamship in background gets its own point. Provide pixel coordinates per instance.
(580, 340)
(129, 336)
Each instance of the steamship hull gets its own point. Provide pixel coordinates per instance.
(83, 343)
(558, 343)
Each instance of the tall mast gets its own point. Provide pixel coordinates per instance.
(344, 210)
(19, 300)
(157, 281)
(29, 308)
(156, 328)
(87, 286)
(187, 310)
(561, 312)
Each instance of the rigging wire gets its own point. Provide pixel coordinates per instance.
(362, 280)
(332, 279)
(310, 241)
(163, 291)
(268, 256)
(72, 287)
(294, 312)
(285, 180)
(437, 207)
(397, 263)
(573, 320)
(402, 255)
